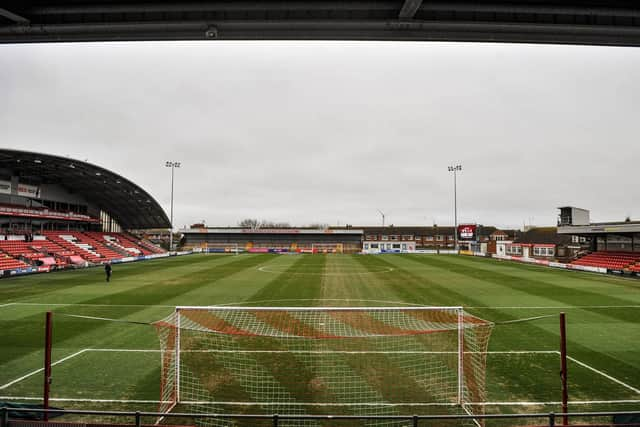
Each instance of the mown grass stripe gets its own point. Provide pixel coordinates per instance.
(21, 334)
(535, 334)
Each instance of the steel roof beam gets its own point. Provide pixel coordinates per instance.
(14, 17)
(409, 9)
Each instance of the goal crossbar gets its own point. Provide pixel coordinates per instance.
(298, 308)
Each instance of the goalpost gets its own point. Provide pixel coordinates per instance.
(327, 248)
(323, 360)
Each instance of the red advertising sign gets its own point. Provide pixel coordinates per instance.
(467, 232)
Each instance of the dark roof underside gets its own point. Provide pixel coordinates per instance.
(601, 22)
(124, 201)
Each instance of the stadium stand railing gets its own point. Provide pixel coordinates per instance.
(146, 247)
(129, 419)
(93, 245)
(115, 241)
(45, 213)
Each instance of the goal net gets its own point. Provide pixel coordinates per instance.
(321, 361)
(216, 248)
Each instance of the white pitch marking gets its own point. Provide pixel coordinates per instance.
(124, 350)
(88, 305)
(17, 380)
(572, 402)
(240, 303)
(515, 307)
(347, 273)
(516, 403)
(127, 350)
(72, 399)
(607, 376)
(232, 403)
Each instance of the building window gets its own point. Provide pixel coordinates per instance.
(394, 237)
(374, 246)
(439, 238)
(384, 237)
(543, 251)
(428, 238)
(407, 237)
(396, 246)
(366, 246)
(514, 250)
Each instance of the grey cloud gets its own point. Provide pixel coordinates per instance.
(321, 132)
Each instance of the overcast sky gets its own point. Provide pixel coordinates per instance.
(308, 132)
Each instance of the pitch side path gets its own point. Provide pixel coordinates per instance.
(115, 365)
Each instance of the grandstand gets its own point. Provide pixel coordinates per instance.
(296, 240)
(614, 246)
(58, 212)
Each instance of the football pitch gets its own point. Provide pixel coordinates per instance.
(115, 365)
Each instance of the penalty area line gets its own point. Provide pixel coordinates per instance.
(551, 307)
(142, 350)
(231, 403)
(607, 376)
(265, 269)
(512, 307)
(74, 399)
(30, 374)
(73, 304)
(571, 402)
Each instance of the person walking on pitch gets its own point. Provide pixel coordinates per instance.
(107, 270)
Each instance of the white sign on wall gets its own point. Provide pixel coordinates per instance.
(28, 190)
(5, 187)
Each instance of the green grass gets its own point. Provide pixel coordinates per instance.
(603, 315)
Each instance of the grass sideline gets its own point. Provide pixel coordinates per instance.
(99, 369)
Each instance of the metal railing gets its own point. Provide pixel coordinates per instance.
(545, 419)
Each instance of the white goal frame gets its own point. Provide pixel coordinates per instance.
(336, 248)
(227, 247)
(456, 311)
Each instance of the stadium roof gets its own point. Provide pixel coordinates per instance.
(602, 22)
(124, 201)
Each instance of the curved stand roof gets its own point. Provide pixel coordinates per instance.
(127, 203)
